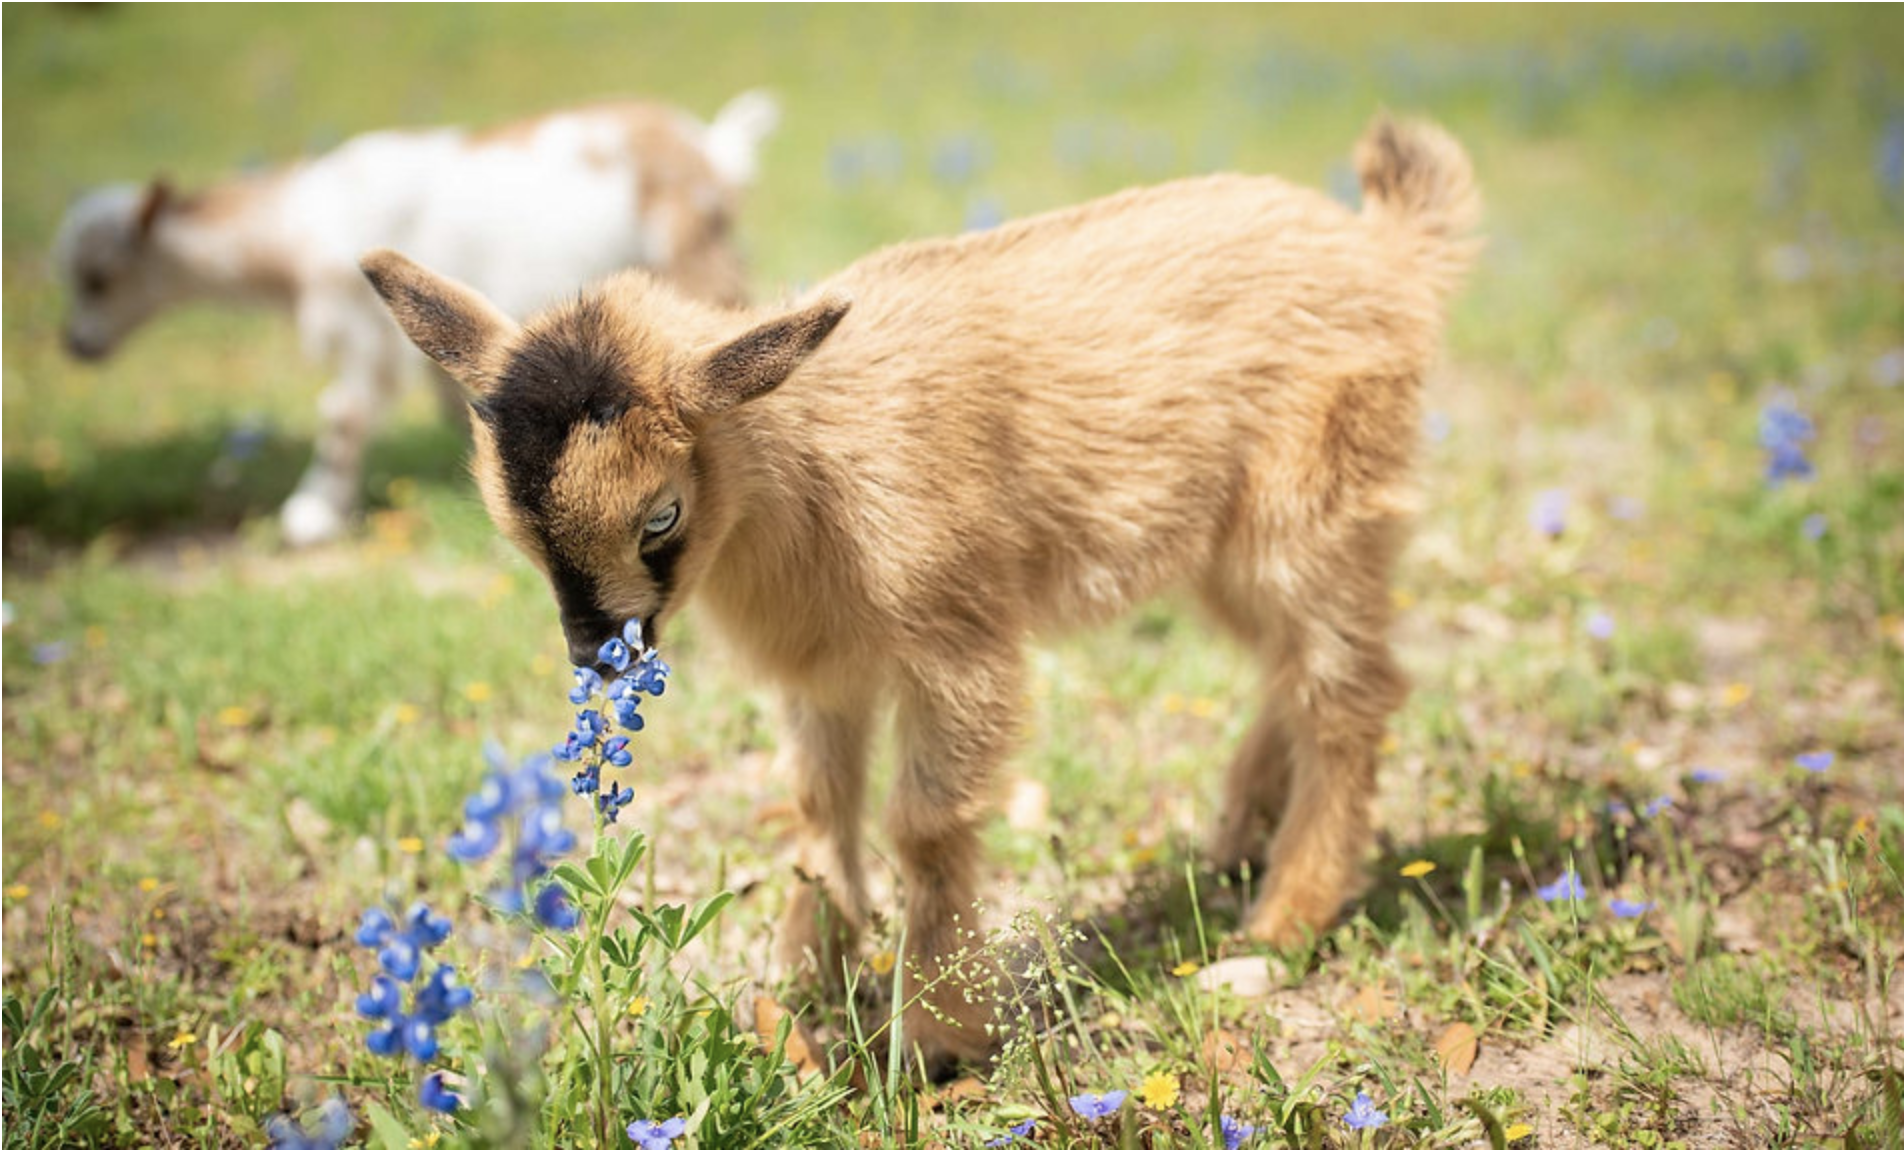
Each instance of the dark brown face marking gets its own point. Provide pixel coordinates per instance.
(571, 372)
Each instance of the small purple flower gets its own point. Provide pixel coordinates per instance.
(1363, 1115)
(46, 654)
(1783, 433)
(1817, 762)
(1655, 806)
(1235, 1132)
(553, 909)
(436, 1096)
(1600, 626)
(1627, 908)
(656, 1135)
(1566, 888)
(1707, 775)
(1548, 515)
(1618, 807)
(1815, 526)
(1095, 1106)
(1022, 1130)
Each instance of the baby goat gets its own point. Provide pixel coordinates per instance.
(526, 212)
(880, 492)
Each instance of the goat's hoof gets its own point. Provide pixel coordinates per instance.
(308, 521)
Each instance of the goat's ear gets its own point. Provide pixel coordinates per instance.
(152, 201)
(452, 324)
(762, 359)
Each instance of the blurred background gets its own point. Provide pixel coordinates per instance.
(1693, 214)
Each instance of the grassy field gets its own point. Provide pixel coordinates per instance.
(217, 753)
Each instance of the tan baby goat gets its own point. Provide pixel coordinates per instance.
(879, 493)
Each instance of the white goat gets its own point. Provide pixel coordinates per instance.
(528, 213)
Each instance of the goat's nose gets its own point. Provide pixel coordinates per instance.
(79, 347)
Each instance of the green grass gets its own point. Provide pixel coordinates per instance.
(236, 746)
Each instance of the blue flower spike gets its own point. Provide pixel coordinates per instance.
(1817, 762)
(1235, 1132)
(656, 1135)
(616, 654)
(1363, 1115)
(1566, 888)
(1022, 1130)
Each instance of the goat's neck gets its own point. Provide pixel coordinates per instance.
(229, 242)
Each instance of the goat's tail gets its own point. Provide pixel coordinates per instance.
(1417, 181)
(733, 139)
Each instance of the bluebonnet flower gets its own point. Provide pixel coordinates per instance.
(1094, 1106)
(1783, 433)
(432, 1004)
(613, 800)
(1234, 1132)
(1566, 888)
(399, 951)
(616, 654)
(436, 1096)
(1022, 1130)
(587, 682)
(329, 1125)
(1549, 512)
(615, 751)
(1707, 775)
(1363, 1115)
(553, 909)
(1600, 626)
(1815, 526)
(1628, 908)
(1655, 806)
(1817, 762)
(656, 1135)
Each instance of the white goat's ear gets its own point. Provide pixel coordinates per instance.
(152, 201)
(452, 324)
(762, 359)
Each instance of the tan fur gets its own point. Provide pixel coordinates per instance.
(1213, 384)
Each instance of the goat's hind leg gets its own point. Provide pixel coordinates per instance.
(349, 412)
(825, 747)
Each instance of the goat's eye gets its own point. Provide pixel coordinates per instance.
(92, 283)
(662, 521)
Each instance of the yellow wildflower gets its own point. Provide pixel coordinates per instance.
(410, 845)
(407, 713)
(50, 819)
(234, 717)
(1517, 1131)
(95, 637)
(882, 962)
(1390, 744)
(182, 1039)
(1185, 969)
(1418, 869)
(1203, 708)
(148, 884)
(638, 1006)
(1160, 1091)
(148, 940)
(477, 692)
(1403, 600)
(17, 891)
(1735, 694)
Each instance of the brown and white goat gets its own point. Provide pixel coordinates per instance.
(526, 212)
(880, 492)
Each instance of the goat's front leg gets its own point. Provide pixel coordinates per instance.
(348, 414)
(954, 733)
(825, 748)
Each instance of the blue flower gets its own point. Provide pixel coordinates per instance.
(1817, 762)
(1618, 807)
(1094, 1106)
(627, 717)
(399, 951)
(613, 800)
(1815, 526)
(46, 654)
(631, 635)
(656, 1135)
(329, 1125)
(1707, 775)
(384, 999)
(1653, 808)
(590, 726)
(1783, 433)
(438, 1000)
(1566, 888)
(1023, 1129)
(376, 927)
(553, 909)
(1549, 512)
(616, 654)
(436, 1096)
(1234, 1132)
(475, 842)
(1363, 1115)
(1627, 908)
(615, 751)
(387, 1041)
(587, 682)
(419, 1038)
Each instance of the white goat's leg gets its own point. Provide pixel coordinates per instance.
(349, 412)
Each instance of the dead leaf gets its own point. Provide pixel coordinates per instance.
(1223, 1050)
(1375, 1002)
(962, 1090)
(1457, 1048)
(799, 1048)
(310, 830)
